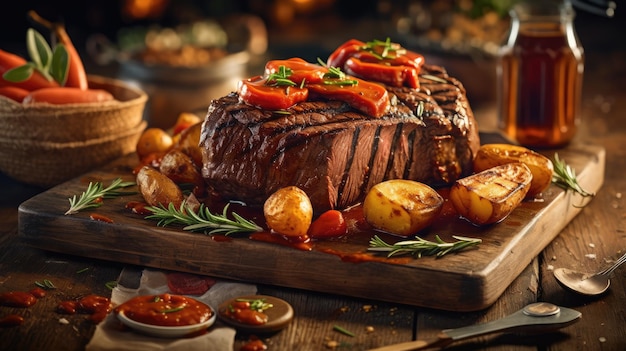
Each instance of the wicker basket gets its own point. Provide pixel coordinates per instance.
(45, 144)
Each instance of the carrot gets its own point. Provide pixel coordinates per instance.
(67, 95)
(15, 93)
(76, 74)
(36, 81)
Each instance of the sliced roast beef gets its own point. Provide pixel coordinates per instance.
(335, 153)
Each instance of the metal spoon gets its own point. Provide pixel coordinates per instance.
(589, 284)
(535, 318)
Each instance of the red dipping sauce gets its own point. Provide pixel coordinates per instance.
(165, 310)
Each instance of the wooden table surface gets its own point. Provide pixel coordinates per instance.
(591, 241)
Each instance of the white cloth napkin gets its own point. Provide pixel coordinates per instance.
(109, 337)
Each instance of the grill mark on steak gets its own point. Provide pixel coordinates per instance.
(349, 162)
(370, 162)
(407, 167)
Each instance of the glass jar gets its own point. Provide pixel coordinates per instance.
(540, 72)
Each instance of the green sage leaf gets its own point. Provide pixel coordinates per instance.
(19, 74)
(60, 64)
(38, 49)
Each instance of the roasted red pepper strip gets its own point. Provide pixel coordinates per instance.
(367, 97)
(300, 70)
(348, 49)
(396, 76)
(399, 67)
(370, 98)
(255, 92)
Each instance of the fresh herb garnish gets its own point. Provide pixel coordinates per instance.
(258, 305)
(335, 76)
(419, 110)
(83, 270)
(421, 247)
(384, 49)
(110, 284)
(51, 64)
(434, 78)
(172, 310)
(343, 330)
(565, 177)
(45, 284)
(202, 220)
(92, 197)
(281, 78)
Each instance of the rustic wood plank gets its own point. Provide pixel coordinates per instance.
(317, 313)
(473, 279)
(22, 266)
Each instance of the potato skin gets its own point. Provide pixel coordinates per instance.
(491, 155)
(188, 142)
(491, 195)
(401, 207)
(157, 189)
(288, 211)
(180, 168)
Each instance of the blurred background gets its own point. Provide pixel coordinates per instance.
(461, 35)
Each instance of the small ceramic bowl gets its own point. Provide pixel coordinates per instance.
(166, 331)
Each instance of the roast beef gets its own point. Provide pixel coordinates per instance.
(335, 153)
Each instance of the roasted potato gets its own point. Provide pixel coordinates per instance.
(491, 155)
(288, 211)
(179, 167)
(153, 141)
(188, 142)
(184, 121)
(401, 207)
(157, 189)
(491, 195)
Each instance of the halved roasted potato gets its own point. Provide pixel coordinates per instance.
(401, 207)
(491, 195)
(491, 155)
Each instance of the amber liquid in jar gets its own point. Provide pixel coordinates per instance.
(541, 82)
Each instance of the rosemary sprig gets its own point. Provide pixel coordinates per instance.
(203, 220)
(565, 177)
(45, 284)
(281, 78)
(92, 197)
(343, 330)
(335, 76)
(387, 49)
(421, 247)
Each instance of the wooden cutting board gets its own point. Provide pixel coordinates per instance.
(468, 281)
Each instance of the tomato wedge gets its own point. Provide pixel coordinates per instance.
(330, 224)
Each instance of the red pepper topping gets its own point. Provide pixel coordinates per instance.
(380, 61)
(288, 82)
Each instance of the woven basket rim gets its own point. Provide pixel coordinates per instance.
(73, 144)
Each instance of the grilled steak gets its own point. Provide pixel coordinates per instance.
(336, 153)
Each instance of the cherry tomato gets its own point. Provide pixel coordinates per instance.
(329, 224)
